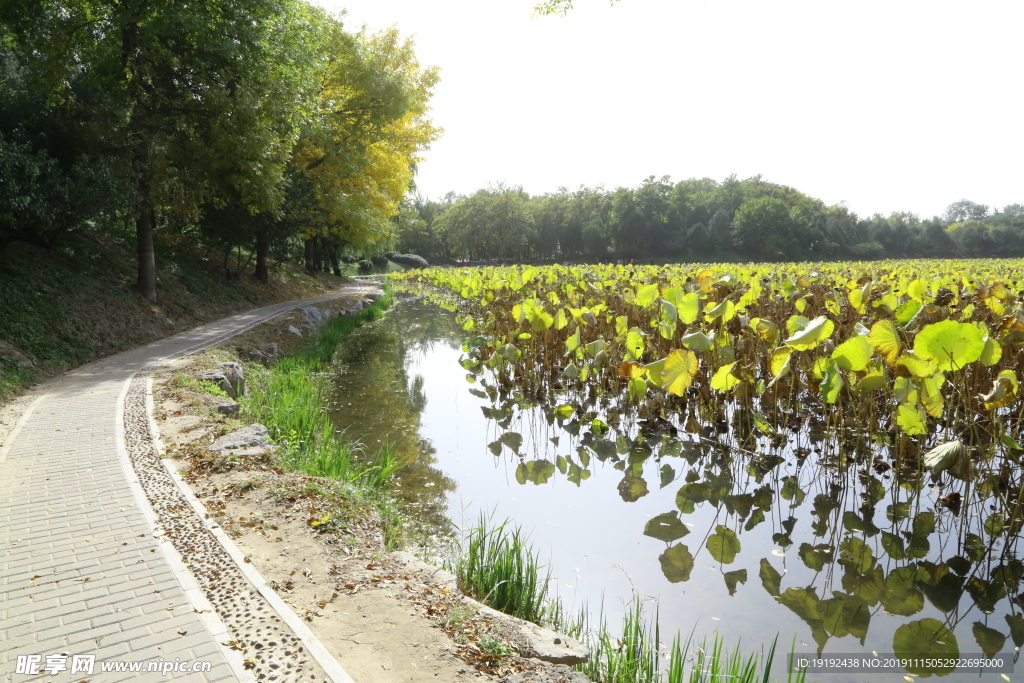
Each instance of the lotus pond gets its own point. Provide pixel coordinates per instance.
(751, 511)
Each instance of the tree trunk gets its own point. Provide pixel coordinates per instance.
(310, 253)
(334, 261)
(262, 250)
(146, 282)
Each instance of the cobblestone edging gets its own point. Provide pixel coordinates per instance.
(270, 649)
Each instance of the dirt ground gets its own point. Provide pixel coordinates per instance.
(324, 554)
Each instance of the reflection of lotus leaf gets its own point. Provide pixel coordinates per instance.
(867, 586)
(676, 563)
(512, 439)
(845, 615)
(1016, 624)
(771, 579)
(732, 578)
(990, 640)
(901, 596)
(537, 471)
(985, 593)
(723, 544)
(816, 557)
(925, 638)
(632, 488)
(665, 527)
(856, 555)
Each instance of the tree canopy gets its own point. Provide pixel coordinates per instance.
(241, 122)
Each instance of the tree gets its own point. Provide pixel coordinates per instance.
(965, 210)
(190, 82)
(766, 225)
(354, 162)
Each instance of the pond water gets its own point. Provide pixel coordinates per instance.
(776, 537)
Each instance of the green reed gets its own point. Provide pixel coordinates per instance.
(500, 569)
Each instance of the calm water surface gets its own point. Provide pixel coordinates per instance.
(751, 543)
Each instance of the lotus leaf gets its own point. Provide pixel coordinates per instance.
(678, 371)
(676, 563)
(926, 640)
(952, 456)
(723, 545)
(949, 344)
(666, 527)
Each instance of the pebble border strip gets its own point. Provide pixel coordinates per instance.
(271, 650)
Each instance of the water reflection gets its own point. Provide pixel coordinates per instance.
(837, 524)
(379, 397)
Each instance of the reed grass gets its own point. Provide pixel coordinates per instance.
(500, 569)
(289, 400)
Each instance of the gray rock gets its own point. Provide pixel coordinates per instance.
(294, 330)
(558, 673)
(410, 260)
(219, 378)
(235, 375)
(229, 409)
(272, 351)
(373, 296)
(358, 306)
(548, 646)
(252, 441)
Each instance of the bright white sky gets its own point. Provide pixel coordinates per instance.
(891, 105)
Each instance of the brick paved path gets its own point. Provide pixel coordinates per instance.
(81, 572)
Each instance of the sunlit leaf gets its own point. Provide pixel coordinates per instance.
(697, 341)
(949, 344)
(723, 379)
(911, 419)
(853, 354)
(678, 371)
(886, 340)
(816, 331)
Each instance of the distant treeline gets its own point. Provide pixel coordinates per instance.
(696, 218)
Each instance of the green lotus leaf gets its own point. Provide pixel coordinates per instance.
(949, 344)
(853, 354)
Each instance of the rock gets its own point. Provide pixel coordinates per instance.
(272, 351)
(294, 330)
(559, 673)
(252, 442)
(316, 317)
(548, 646)
(357, 307)
(219, 378)
(229, 409)
(373, 296)
(235, 375)
(410, 260)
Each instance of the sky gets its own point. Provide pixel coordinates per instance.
(887, 106)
